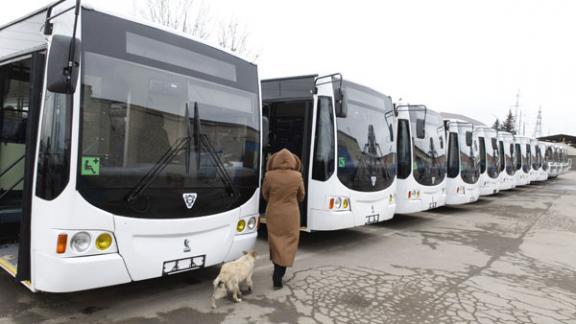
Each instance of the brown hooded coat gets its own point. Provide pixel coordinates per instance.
(283, 189)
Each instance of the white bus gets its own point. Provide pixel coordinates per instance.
(564, 159)
(537, 172)
(344, 133)
(421, 159)
(489, 158)
(522, 160)
(462, 186)
(506, 179)
(554, 163)
(140, 156)
(546, 158)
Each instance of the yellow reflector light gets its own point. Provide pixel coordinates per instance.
(104, 241)
(345, 203)
(241, 226)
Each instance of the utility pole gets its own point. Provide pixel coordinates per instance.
(519, 129)
(538, 128)
(516, 108)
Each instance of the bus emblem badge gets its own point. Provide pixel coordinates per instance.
(189, 199)
(186, 246)
(373, 180)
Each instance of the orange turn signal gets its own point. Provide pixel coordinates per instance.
(331, 203)
(62, 242)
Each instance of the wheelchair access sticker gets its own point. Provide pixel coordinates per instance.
(90, 166)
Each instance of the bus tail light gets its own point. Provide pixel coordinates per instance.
(62, 243)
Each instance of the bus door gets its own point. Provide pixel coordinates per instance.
(289, 126)
(20, 95)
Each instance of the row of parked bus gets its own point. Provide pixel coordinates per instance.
(129, 151)
(366, 158)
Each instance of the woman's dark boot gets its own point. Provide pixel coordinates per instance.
(277, 276)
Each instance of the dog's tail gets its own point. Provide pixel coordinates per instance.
(218, 283)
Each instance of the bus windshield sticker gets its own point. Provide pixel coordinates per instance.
(90, 166)
(341, 162)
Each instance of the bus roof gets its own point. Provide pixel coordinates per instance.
(94, 5)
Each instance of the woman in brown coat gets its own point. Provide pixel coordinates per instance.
(283, 189)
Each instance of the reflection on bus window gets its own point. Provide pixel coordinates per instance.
(366, 152)
(429, 165)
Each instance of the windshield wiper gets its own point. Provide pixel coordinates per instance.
(202, 140)
(166, 158)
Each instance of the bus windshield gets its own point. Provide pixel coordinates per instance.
(526, 158)
(536, 157)
(366, 148)
(429, 164)
(510, 170)
(200, 124)
(469, 157)
(492, 156)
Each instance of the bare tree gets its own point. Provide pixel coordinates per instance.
(193, 17)
(188, 16)
(234, 37)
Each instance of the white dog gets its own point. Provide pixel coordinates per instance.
(232, 274)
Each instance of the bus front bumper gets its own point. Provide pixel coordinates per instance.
(61, 275)
(489, 187)
(241, 243)
(429, 200)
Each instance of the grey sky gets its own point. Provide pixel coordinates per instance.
(468, 57)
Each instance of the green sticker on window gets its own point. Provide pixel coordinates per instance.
(341, 162)
(90, 166)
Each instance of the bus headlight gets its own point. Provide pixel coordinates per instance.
(252, 223)
(338, 203)
(345, 203)
(80, 242)
(103, 241)
(241, 226)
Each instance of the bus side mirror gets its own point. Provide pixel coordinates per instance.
(468, 138)
(62, 78)
(420, 130)
(341, 103)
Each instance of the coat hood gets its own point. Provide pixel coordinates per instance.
(283, 160)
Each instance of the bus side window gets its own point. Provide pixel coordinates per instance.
(453, 156)
(54, 146)
(324, 160)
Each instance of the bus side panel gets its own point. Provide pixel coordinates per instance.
(36, 84)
